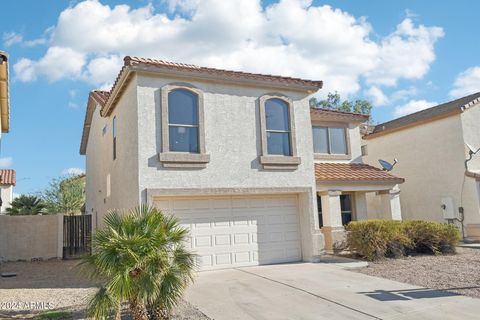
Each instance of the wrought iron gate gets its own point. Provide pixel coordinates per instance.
(77, 231)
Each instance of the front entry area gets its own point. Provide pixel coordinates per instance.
(237, 231)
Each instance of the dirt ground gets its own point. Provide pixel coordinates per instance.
(55, 285)
(458, 273)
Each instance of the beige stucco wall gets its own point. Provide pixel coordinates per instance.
(30, 237)
(99, 159)
(431, 159)
(6, 192)
(232, 139)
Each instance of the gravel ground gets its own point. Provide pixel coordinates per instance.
(458, 273)
(55, 285)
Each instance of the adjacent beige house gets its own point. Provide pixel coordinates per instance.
(231, 154)
(7, 182)
(432, 147)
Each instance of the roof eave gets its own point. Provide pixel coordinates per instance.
(360, 182)
(208, 76)
(411, 125)
(340, 117)
(91, 105)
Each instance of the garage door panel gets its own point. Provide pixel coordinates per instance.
(234, 231)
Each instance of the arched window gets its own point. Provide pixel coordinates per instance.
(277, 122)
(183, 121)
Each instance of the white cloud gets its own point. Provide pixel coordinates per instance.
(466, 83)
(57, 63)
(403, 94)
(34, 42)
(24, 70)
(11, 38)
(73, 171)
(290, 37)
(406, 53)
(377, 95)
(6, 162)
(413, 106)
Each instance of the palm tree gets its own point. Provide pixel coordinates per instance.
(26, 205)
(141, 257)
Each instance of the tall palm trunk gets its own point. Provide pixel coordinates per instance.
(160, 313)
(138, 309)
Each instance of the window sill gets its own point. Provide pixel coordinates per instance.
(321, 156)
(280, 162)
(183, 160)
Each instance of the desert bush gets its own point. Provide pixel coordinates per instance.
(374, 239)
(431, 237)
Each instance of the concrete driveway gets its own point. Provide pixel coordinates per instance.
(320, 291)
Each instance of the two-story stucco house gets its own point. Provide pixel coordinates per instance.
(432, 147)
(231, 154)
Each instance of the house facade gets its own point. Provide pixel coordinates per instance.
(229, 153)
(7, 182)
(432, 147)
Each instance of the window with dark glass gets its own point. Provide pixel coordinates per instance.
(329, 140)
(114, 134)
(277, 127)
(183, 121)
(345, 208)
(320, 215)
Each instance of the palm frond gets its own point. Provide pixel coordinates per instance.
(103, 305)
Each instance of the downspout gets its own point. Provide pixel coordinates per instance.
(4, 103)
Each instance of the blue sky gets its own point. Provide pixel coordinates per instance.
(401, 55)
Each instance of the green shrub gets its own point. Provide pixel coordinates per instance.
(431, 237)
(374, 239)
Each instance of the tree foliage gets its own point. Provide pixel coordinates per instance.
(26, 205)
(141, 258)
(334, 102)
(65, 195)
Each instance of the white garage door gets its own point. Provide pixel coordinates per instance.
(231, 231)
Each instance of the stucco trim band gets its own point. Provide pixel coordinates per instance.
(153, 193)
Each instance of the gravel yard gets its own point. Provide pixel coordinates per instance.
(458, 273)
(55, 285)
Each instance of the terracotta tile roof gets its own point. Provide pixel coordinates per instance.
(319, 114)
(100, 96)
(352, 172)
(437, 112)
(132, 61)
(8, 177)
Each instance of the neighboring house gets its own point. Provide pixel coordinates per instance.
(4, 98)
(7, 182)
(431, 148)
(230, 154)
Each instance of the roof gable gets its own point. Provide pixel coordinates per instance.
(434, 113)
